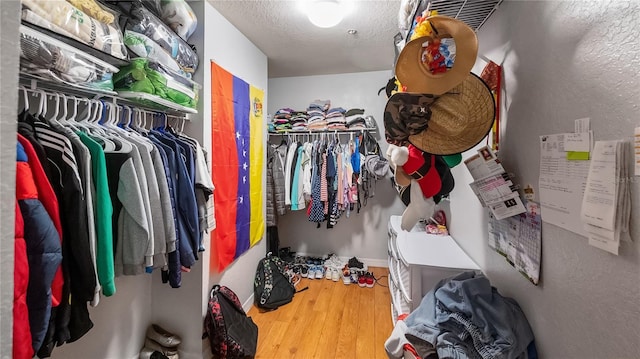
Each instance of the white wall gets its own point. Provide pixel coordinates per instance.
(177, 309)
(182, 310)
(230, 49)
(563, 61)
(9, 43)
(362, 235)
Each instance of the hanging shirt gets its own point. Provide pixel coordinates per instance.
(103, 215)
(288, 173)
(158, 249)
(83, 157)
(297, 196)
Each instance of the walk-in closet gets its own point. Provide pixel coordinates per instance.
(319, 179)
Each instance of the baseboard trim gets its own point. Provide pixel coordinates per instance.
(370, 262)
(248, 303)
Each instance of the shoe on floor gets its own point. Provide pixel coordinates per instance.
(171, 353)
(304, 271)
(147, 353)
(335, 274)
(327, 272)
(319, 272)
(354, 263)
(162, 336)
(370, 280)
(346, 276)
(362, 280)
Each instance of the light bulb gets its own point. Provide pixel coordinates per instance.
(325, 13)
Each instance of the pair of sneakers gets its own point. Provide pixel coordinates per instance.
(160, 344)
(332, 273)
(314, 271)
(366, 280)
(350, 275)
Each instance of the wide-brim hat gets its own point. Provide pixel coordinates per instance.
(441, 125)
(416, 76)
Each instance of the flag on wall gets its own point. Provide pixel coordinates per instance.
(236, 165)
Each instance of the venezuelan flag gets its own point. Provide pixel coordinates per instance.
(236, 165)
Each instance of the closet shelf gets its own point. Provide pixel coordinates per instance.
(138, 99)
(275, 133)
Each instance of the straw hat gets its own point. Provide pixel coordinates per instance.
(415, 75)
(444, 125)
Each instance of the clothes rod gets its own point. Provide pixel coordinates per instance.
(337, 132)
(37, 84)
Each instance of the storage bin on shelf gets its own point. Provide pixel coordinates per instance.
(63, 18)
(147, 36)
(47, 58)
(148, 80)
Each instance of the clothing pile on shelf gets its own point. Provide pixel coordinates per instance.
(317, 115)
(335, 119)
(354, 119)
(299, 121)
(281, 120)
(94, 202)
(322, 176)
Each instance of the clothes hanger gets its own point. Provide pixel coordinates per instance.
(42, 108)
(25, 99)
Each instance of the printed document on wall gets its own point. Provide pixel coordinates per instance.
(562, 183)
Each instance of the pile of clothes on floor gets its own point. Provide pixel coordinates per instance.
(463, 317)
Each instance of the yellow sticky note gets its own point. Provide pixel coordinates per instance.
(577, 156)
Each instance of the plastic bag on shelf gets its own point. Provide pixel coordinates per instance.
(143, 46)
(180, 17)
(46, 57)
(143, 75)
(96, 11)
(143, 21)
(62, 17)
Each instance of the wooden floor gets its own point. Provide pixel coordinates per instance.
(329, 320)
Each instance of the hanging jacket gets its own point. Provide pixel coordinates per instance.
(275, 187)
(50, 203)
(22, 348)
(44, 252)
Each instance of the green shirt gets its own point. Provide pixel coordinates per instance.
(103, 214)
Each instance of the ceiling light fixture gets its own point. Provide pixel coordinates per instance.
(325, 13)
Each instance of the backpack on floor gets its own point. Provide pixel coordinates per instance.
(272, 287)
(232, 334)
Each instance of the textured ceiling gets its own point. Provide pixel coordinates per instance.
(295, 47)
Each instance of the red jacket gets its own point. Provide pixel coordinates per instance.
(50, 203)
(22, 348)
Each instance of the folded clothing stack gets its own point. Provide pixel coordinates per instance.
(49, 58)
(336, 120)
(317, 115)
(281, 120)
(354, 119)
(299, 121)
(144, 75)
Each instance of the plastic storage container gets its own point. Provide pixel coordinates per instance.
(45, 57)
(65, 19)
